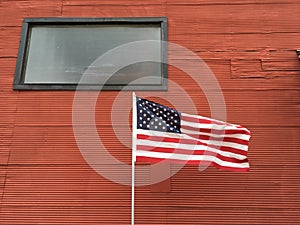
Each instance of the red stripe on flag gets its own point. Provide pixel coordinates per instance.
(225, 139)
(215, 131)
(169, 139)
(190, 152)
(159, 139)
(190, 162)
(198, 120)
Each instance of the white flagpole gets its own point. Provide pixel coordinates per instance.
(134, 124)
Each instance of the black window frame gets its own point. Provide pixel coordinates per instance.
(24, 41)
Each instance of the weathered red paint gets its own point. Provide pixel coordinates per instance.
(250, 47)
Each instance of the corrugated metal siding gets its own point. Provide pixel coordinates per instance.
(249, 45)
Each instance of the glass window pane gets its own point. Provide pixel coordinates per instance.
(61, 54)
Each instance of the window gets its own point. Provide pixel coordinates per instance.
(58, 53)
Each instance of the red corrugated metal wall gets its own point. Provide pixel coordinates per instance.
(250, 47)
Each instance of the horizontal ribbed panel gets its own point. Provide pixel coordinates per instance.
(250, 48)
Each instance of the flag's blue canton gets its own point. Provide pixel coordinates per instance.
(153, 116)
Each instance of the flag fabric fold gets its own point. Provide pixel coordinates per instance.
(163, 134)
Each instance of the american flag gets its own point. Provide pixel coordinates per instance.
(165, 134)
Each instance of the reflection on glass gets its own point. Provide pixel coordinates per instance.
(61, 54)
